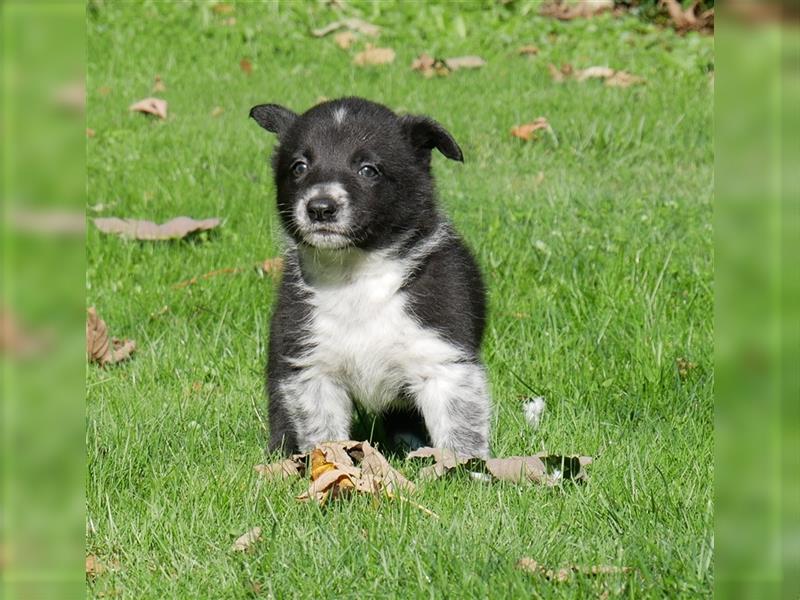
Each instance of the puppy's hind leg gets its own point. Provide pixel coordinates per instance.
(456, 406)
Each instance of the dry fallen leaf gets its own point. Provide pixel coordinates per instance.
(95, 567)
(611, 77)
(48, 222)
(344, 39)
(528, 50)
(593, 73)
(98, 347)
(429, 66)
(578, 9)
(272, 266)
(566, 573)
(159, 85)
(374, 56)
(151, 106)
(464, 62)
(223, 8)
(547, 469)
(72, 96)
(104, 90)
(178, 227)
(340, 468)
(688, 20)
(246, 66)
(352, 24)
(560, 74)
(286, 469)
(90, 132)
(15, 340)
(246, 541)
(527, 131)
(217, 111)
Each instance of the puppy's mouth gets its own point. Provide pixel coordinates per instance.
(328, 238)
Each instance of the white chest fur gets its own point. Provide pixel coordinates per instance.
(361, 334)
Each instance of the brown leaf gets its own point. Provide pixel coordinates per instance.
(90, 132)
(578, 9)
(560, 74)
(151, 106)
(566, 573)
(15, 340)
(464, 62)
(375, 464)
(688, 19)
(72, 96)
(286, 469)
(540, 468)
(48, 222)
(344, 39)
(159, 85)
(176, 228)
(593, 73)
(217, 111)
(611, 77)
(374, 56)
(98, 347)
(352, 24)
(528, 131)
(104, 90)
(95, 567)
(272, 266)
(223, 8)
(429, 66)
(528, 50)
(246, 66)
(340, 468)
(623, 79)
(246, 541)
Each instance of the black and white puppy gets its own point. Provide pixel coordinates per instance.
(381, 302)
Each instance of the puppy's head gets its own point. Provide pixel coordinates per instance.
(351, 173)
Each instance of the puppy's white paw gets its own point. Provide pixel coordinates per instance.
(533, 409)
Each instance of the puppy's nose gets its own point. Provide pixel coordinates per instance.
(321, 210)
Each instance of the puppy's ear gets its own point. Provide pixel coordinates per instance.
(273, 117)
(426, 134)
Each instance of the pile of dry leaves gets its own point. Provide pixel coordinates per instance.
(338, 469)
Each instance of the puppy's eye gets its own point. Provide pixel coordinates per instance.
(299, 168)
(368, 171)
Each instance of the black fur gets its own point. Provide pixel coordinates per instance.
(398, 209)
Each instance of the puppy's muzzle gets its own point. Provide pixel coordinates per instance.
(322, 209)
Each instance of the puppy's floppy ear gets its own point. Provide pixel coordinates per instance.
(426, 134)
(273, 117)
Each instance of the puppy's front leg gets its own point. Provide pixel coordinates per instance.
(456, 407)
(319, 409)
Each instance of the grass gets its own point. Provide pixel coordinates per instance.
(596, 247)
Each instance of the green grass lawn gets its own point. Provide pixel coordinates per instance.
(596, 248)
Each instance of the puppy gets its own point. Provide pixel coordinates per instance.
(381, 303)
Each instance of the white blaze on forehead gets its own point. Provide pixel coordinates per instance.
(339, 115)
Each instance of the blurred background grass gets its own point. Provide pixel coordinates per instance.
(757, 333)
